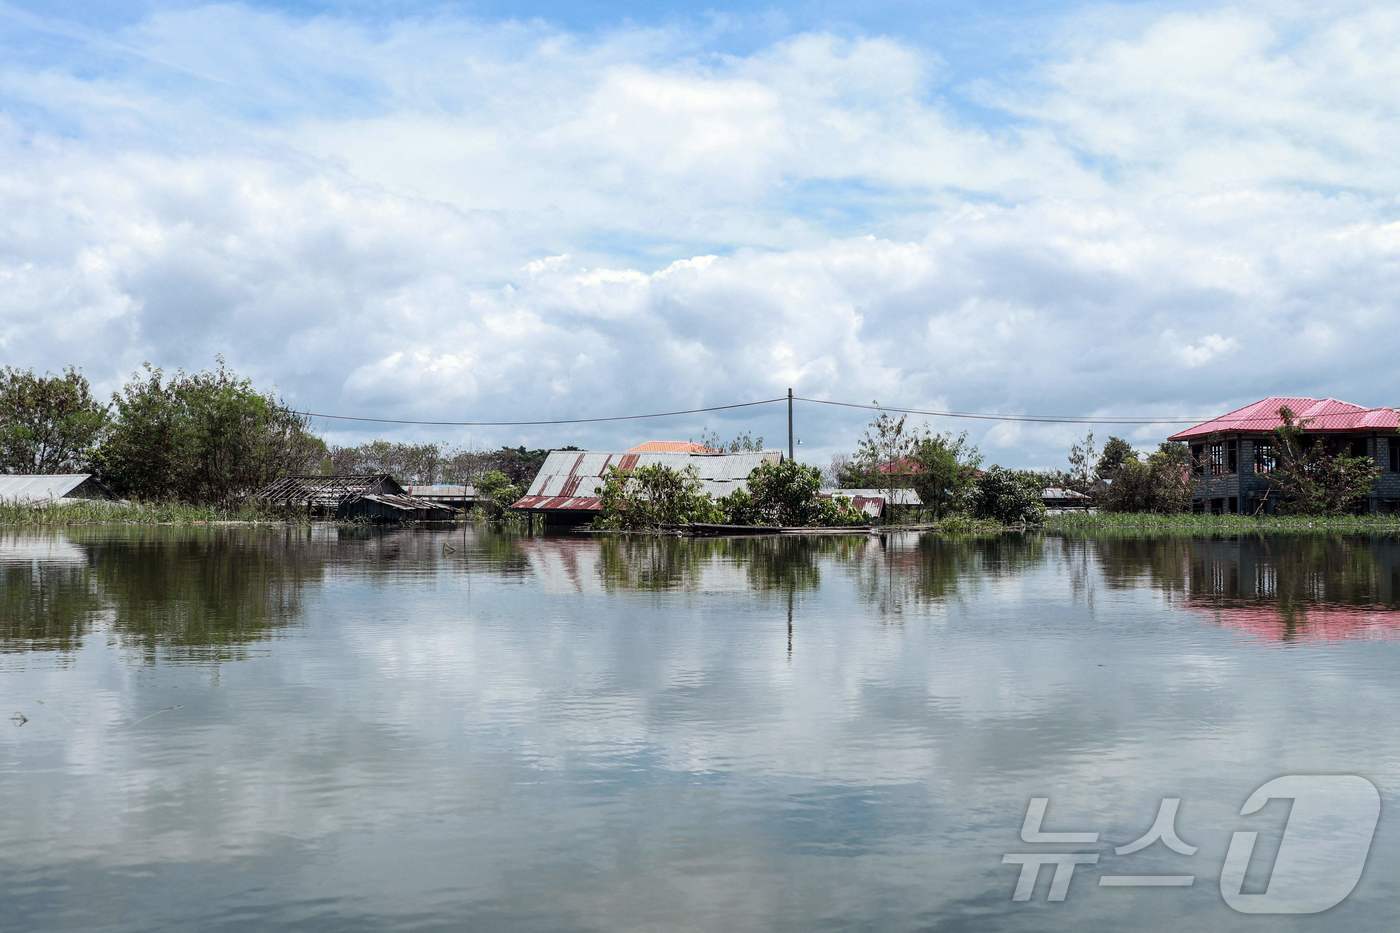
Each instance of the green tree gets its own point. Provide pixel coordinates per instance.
(652, 497)
(207, 437)
(1007, 496)
(496, 493)
(1310, 479)
(944, 471)
(1161, 483)
(788, 494)
(1083, 464)
(1115, 453)
(48, 423)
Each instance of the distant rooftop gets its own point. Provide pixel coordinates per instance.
(671, 447)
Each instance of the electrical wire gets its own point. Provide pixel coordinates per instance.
(976, 416)
(499, 424)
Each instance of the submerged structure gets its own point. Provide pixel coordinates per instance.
(567, 488)
(52, 489)
(375, 497)
(1232, 455)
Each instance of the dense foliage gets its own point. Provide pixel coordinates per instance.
(1309, 479)
(778, 494)
(495, 493)
(205, 437)
(1007, 496)
(1160, 483)
(48, 424)
(439, 463)
(651, 497)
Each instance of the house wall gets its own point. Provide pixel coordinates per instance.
(1248, 489)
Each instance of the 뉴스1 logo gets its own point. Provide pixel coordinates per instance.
(1325, 844)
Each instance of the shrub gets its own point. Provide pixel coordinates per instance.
(652, 497)
(1008, 497)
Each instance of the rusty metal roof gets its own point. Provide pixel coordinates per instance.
(1316, 414)
(901, 496)
(570, 480)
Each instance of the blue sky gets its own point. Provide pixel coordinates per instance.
(484, 211)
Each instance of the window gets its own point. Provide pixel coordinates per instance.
(1234, 451)
(1198, 460)
(1263, 457)
(1395, 455)
(1358, 446)
(1217, 459)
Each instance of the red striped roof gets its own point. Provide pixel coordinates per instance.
(1315, 414)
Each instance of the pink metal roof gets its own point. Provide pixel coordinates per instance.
(1316, 414)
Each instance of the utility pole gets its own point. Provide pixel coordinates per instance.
(791, 453)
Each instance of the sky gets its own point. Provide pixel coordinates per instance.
(527, 211)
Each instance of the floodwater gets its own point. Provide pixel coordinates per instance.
(233, 728)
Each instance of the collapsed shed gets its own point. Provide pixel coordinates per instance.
(375, 497)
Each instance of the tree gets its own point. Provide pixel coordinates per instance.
(1006, 496)
(496, 493)
(744, 442)
(944, 470)
(881, 459)
(48, 424)
(1161, 483)
(205, 437)
(788, 494)
(1115, 453)
(1310, 479)
(652, 497)
(1083, 463)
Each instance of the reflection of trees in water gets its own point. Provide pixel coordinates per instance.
(785, 563)
(204, 593)
(198, 593)
(646, 562)
(928, 568)
(45, 606)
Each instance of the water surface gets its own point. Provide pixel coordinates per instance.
(332, 729)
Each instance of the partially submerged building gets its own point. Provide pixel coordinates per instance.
(567, 488)
(52, 489)
(875, 503)
(1060, 499)
(454, 495)
(375, 497)
(1232, 455)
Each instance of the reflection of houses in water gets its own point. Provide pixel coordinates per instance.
(1298, 587)
(601, 564)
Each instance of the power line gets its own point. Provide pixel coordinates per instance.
(464, 424)
(1038, 419)
(976, 416)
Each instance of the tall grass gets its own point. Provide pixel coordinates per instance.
(1131, 523)
(133, 513)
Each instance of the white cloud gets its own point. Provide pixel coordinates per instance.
(455, 220)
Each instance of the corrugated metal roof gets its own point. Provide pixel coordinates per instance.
(671, 447)
(900, 496)
(441, 490)
(1318, 414)
(40, 488)
(1057, 492)
(571, 480)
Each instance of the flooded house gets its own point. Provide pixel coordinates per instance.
(52, 489)
(566, 490)
(376, 497)
(1233, 454)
